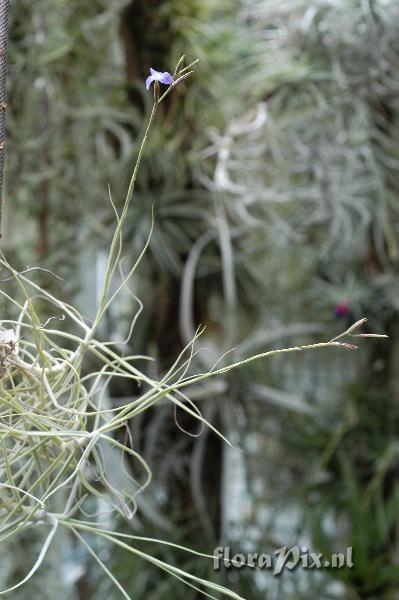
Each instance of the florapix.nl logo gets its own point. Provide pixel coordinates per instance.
(283, 558)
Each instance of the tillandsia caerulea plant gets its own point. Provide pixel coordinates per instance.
(56, 428)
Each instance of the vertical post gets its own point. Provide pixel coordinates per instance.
(4, 12)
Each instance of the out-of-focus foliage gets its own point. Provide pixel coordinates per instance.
(67, 124)
(275, 177)
(321, 179)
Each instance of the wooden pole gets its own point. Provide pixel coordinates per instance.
(4, 13)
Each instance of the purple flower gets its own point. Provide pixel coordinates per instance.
(341, 309)
(165, 78)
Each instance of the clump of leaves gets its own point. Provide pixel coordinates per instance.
(57, 430)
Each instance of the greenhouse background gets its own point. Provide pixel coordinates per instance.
(270, 186)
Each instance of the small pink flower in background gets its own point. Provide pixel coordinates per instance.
(164, 77)
(342, 308)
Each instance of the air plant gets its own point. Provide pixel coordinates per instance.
(55, 426)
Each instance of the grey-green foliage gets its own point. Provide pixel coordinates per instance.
(321, 178)
(310, 176)
(66, 123)
(303, 200)
(306, 195)
(170, 172)
(66, 100)
(59, 435)
(72, 131)
(327, 173)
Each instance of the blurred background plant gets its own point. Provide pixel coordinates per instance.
(275, 177)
